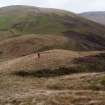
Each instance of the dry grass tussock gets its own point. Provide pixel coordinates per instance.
(51, 79)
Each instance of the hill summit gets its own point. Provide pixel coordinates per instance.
(74, 32)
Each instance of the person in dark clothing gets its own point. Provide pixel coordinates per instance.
(38, 55)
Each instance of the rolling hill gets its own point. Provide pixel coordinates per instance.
(98, 16)
(16, 21)
(71, 67)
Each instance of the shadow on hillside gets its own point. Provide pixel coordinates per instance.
(45, 72)
(90, 59)
(90, 41)
(93, 63)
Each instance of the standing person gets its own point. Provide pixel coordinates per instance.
(38, 55)
(36, 52)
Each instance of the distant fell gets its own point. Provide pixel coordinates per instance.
(98, 16)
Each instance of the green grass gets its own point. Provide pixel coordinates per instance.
(5, 22)
(44, 24)
(40, 24)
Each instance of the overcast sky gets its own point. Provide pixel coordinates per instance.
(71, 5)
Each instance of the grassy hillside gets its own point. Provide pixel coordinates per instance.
(59, 76)
(57, 58)
(71, 67)
(16, 21)
(28, 44)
